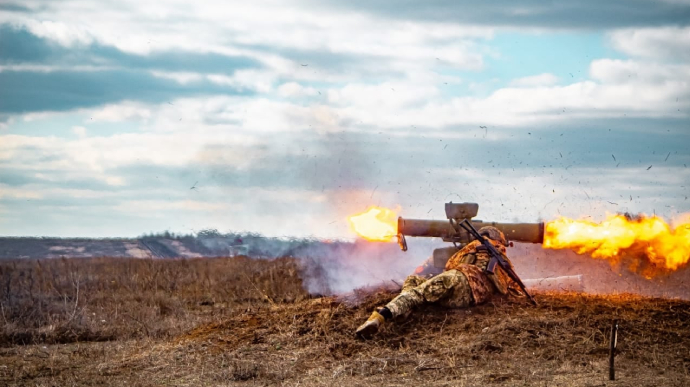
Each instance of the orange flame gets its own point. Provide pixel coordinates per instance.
(650, 244)
(375, 224)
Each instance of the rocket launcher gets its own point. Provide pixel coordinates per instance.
(458, 212)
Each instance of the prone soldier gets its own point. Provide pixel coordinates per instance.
(464, 282)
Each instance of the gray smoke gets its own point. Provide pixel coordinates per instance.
(361, 264)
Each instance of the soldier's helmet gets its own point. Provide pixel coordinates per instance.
(493, 233)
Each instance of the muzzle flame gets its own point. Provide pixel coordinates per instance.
(375, 224)
(650, 244)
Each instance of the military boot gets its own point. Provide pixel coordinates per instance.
(371, 326)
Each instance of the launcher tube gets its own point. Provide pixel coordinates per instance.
(518, 232)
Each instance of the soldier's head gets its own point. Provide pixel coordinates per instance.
(493, 233)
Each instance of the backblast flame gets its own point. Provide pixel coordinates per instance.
(375, 224)
(648, 243)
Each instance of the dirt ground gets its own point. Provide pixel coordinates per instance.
(309, 341)
(563, 342)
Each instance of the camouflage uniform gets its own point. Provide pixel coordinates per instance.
(464, 282)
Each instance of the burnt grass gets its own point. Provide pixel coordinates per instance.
(238, 321)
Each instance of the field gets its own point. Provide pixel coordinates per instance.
(240, 321)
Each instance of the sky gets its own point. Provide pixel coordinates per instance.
(119, 118)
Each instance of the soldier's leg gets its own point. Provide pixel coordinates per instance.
(413, 281)
(432, 290)
(408, 298)
(441, 287)
(401, 305)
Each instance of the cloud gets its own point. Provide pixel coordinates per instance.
(252, 80)
(114, 180)
(123, 111)
(545, 79)
(147, 206)
(18, 193)
(16, 7)
(333, 44)
(671, 43)
(179, 77)
(631, 72)
(386, 95)
(65, 34)
(587, 14)
(38, 75)
(21, 46)
(5, 121)
(114, 75)
(294, 89)
(80, 131)
(655, 90)
(24, 91)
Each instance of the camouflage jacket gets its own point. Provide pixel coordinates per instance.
(470, 255)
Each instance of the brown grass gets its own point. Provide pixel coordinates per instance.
(71, 300)
(262, 329)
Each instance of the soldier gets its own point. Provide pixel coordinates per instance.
(463, 283)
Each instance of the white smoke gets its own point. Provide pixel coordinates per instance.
(362, 264)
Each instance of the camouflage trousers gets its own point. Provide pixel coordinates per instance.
(466, 286)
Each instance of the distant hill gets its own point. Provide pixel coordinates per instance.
(208, 243)
(164, 247)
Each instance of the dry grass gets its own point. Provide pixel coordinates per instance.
(70, 300)
(294, 340)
